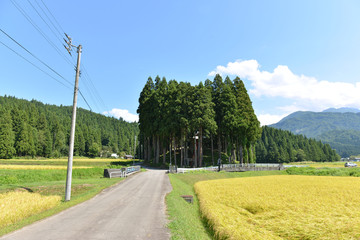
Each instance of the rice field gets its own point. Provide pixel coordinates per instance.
(282, 207)
(42, 167)
(15, 206)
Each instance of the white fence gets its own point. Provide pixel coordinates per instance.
(123, 172)
(231, 167)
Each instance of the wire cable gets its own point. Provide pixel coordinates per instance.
(45, 21)
(84, 99)
(52, 16)
(21, 10)
(34, 65)
(35, 56)
(97, 95)
(52, 23)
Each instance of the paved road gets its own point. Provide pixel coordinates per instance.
(134, 209)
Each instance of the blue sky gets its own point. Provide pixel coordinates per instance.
(292, 55)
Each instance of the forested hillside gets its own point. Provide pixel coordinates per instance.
(281, 146)
(172, 115)
(31, 128)
(336, 127)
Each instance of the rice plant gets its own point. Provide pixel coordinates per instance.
(15, 206)
(282, 207)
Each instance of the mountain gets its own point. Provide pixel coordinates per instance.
(342, 110)
(338, 127)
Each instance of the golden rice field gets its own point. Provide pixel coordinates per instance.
(15, 206)
(282, 207)
(43, 167)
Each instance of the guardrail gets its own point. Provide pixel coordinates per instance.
(231, 167)
(123, 172)
(184, 170)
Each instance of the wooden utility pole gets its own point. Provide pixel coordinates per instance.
(134, 150)
(73, 120)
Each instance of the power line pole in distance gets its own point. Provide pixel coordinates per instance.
(73, 119)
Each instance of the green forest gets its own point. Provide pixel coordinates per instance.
(200, 124)
(31, 128)
(217, 114)
(178, 117)
(282, 146)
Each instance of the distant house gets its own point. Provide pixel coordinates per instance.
(114, 155)
(128, 157)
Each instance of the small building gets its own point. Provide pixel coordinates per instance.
(128, 157)
(114, 155)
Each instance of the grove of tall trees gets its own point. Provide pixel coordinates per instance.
(31, 128)
(176, 118)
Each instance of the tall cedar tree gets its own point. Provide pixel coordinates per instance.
(7, 136)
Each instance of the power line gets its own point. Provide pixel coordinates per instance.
(21, 10)
(44, 21)
(85, 99)
(53, 16)
(97, 95)
(94, 95)
(60, 34)
(91, 88)
(33, 64)
(35, 56)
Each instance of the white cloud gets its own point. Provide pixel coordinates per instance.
(123, 113)
(282, 82)
(267, 119)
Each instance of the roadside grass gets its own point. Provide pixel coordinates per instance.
(86, 183)
(186, 221)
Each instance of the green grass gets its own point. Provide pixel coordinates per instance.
(353, 172)
(186, 221)
(86, 183)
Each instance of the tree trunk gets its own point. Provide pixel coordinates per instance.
(186, 152)
(174, 151)
(200, 147)
(157, 149)
(253, 153)
(154, 147)
(164, 152)
(233, 156)
(195, 153)
(144, 150)
(241, 154)
(170, 149)
(148, 149)
(212, 150)
(219, 145)
(226, 146)
(182, 150)
(247, 154)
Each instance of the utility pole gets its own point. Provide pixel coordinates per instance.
(73, 119)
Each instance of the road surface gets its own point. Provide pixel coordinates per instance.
(133, 209)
